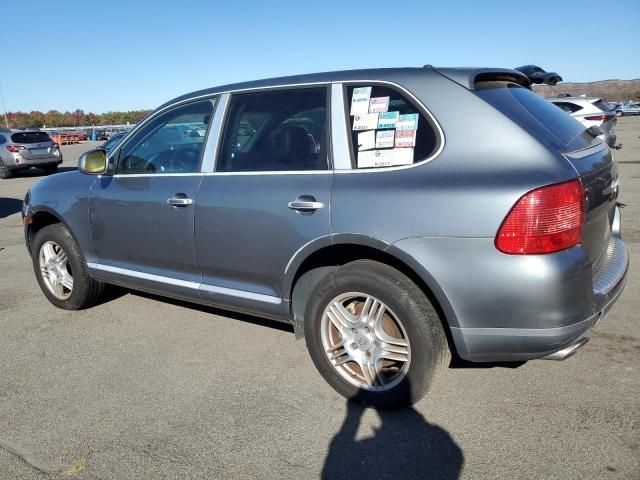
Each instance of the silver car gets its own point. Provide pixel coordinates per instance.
(368, 209)
(24, 149)
(591, 112)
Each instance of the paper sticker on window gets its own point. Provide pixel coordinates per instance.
(367, 140)
(378, 104)
(388, 120)
(408, 122)
(405, 138)
(384, 138)
(385, 158)
(360, 100)
(367, 121)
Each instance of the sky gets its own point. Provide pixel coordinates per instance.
(128, 55)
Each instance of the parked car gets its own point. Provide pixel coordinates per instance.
(113, 141)
(538, 75)
(24, 149)
(627, 108)
(408, 233)
(591, 112)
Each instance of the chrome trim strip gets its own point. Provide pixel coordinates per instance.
(222, 174)
(211, 147)
(339, 129)
(144, 276)
(258, 297)
(231, 292)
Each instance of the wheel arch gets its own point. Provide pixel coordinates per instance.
(42, 218)
(326, 259)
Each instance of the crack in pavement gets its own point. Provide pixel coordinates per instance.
(28, 457)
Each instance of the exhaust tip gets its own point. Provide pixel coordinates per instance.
(567, 351)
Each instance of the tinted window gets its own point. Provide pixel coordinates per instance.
(604, 106)
(567, 106)
(30, 137)
(282, 130)
(170, 143)
(540, 118)
(386, 128)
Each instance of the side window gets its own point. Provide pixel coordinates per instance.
(568, 107)
(282, 130)
(170, 143)
(387, 129)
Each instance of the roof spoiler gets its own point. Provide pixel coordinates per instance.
(468, 77)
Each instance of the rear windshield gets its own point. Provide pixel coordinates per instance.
(546, 122)
(30, 137)
(604, 106)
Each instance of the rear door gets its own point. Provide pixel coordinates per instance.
(268, 197)
(142, 217)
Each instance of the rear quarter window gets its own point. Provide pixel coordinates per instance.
(540, 118)
(30, 137)
(387, 129)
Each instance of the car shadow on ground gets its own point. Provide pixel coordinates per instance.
(36, 172)
(9, 206)
(405, 447)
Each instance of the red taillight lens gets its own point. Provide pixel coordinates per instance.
(15, 148)
(544, 220)
(599, 118)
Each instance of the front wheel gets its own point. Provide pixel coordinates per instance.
(374, 336)
(60, 270)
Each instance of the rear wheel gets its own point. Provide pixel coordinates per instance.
(374, 336)
(60, 270)
(50, 169)
(4, 170)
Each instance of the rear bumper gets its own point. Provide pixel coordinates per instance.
(513, 308)
(24, 163)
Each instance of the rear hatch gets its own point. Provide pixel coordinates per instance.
(36, 145)
(563, 134)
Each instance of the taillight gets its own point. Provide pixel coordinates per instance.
(545, 220)
(599, 118)
(15, 148)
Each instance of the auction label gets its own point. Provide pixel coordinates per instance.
(385, 158)
(378, 104)
(388, 120)
(360, 100)
(384, 138)
(408, 122)
(406, 138)
(367, 140)
(366, 121)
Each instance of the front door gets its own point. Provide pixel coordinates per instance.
(143, 216)
(268, 197)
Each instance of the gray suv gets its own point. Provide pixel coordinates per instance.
(393, 217)
(23, 149)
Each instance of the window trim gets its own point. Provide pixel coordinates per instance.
(435, 126)
(328, 83)
(114, 157)
(327, 133)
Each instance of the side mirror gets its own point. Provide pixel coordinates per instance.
(93, 162)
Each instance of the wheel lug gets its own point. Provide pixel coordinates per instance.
(354, 346)
(368, 353)
(375, 342)
(353, 330)
(366, 329)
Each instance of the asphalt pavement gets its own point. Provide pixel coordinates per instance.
(140, 387)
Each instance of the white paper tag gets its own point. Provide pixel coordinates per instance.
(385, 158)
(388, 120)
(360, 100)
(405, 138)
(384, 138)
(366, 121)
(367, 140)
(408, 121)
(378, 104)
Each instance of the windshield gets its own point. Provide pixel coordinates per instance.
(542, 119)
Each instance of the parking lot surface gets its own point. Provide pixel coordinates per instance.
(141, 387)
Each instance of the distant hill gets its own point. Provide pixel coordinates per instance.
(609, 90)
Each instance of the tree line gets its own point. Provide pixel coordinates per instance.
(54, 118)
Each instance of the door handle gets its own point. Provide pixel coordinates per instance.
(179, 201)
(305, 206)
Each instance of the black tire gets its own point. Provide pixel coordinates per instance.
(4, 171)
(86, 291)
(50, 169)
(429, 349)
